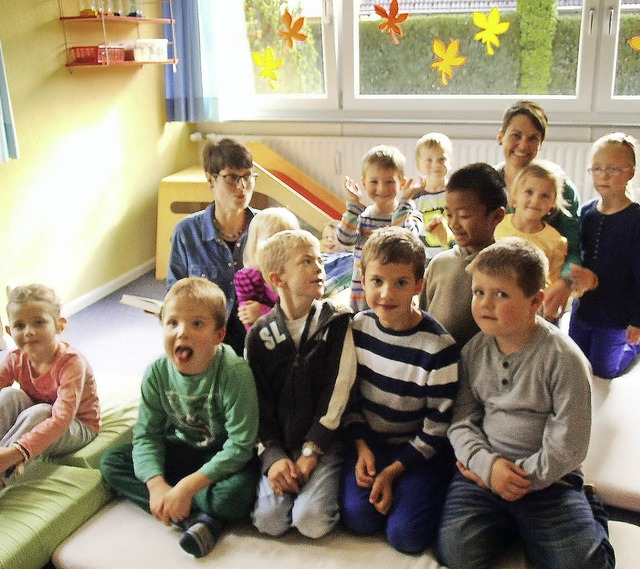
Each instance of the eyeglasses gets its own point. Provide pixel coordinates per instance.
(609, 170)
(233, 179)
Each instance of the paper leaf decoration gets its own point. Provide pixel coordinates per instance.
(449, 59)
(635, 43)
(269, 64)
(392, 20)
(491, 27)
(291, 29)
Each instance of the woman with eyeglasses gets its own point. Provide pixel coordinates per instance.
(605, 319)
(524, 126)
(210, 243)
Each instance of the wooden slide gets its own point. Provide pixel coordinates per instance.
(278, 179)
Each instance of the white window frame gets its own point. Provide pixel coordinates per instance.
(285, 107)
(608, 28)
(592, 105)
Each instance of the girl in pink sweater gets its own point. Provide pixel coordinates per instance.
(255, 296)
(55, 410)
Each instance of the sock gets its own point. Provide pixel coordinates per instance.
(201, 536)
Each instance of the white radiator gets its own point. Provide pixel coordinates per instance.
(329, 159)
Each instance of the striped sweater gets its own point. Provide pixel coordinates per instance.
(406, 385)
(356, 226)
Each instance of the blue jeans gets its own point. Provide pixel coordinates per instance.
(556, 527)
(605, 348)
(313, 511)
(418, 497)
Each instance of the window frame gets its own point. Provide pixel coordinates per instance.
(274, 106)
(592, 105)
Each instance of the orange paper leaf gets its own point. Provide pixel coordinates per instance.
(392, 20)
(291, 29)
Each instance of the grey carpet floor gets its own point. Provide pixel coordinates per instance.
(117, 338)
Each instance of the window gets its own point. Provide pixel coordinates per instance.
(438, 62)
(289, 49)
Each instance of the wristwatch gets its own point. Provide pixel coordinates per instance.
(311, 449)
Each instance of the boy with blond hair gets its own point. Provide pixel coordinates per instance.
(302, 356)
(383, 181)
(434, 153)
(476, 201)
(192, 459)
(520, 428)
(400, 462)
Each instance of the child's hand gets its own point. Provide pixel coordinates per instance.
(365, 465)
(306, 465)
(381, 496)
(408, 190)
(249, 312)
(420, 185)
(283, 476)
(158, 489)
(9, 456)
(583, 279)
(508, 480)
(177, 503)
(556, 296)
(471, 475)
(633, 335)
(440, 230)
(353, 191)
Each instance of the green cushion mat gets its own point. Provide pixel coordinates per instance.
(41, 508)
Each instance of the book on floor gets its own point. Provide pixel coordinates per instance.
(150, 305)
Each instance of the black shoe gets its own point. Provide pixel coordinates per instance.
(202, 535)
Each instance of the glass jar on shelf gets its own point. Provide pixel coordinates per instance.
(135, 9)
(87, 8)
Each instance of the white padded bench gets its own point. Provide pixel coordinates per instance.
(613, 461)
(122, 535)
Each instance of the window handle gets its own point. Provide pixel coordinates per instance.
(327, 12)
(611, 13)
(591, 16)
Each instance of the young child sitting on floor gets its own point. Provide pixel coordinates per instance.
(520, 428)
(536, 196)
(56, 410)
(253, 294)
(383, 181)
(337, 260)
(303, 360)
(476, 201)
(434, 153)
(191, 462)
(397, 471)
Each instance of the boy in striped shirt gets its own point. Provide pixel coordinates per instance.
(397, 471)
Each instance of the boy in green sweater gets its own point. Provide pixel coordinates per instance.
(192, 459)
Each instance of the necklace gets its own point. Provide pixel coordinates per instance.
(229, 236)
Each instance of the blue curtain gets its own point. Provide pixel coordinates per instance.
(8, 139)
(191, 91)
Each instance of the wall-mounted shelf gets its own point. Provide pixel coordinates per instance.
(110, 36)
(119, 19)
